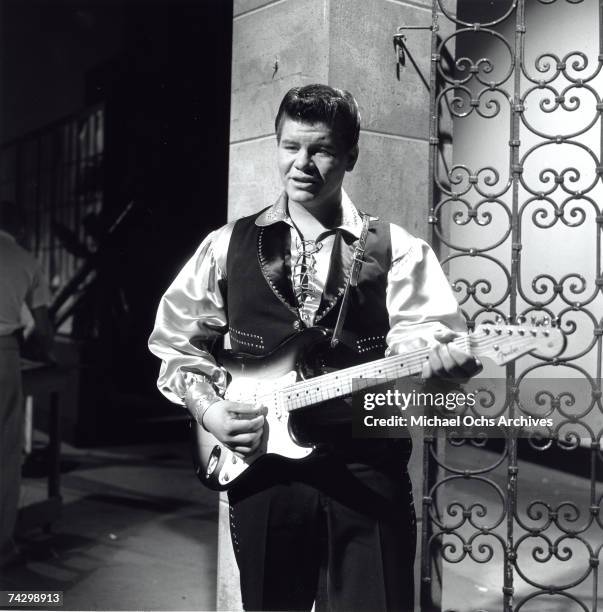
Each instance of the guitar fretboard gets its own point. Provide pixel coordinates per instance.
(503, 343)
(363, 376)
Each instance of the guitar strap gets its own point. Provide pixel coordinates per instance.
(352, 280)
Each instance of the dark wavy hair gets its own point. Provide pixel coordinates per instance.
(321, 103)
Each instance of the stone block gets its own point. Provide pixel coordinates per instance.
(253, 177)
(240, 7)
(273, 50)
(448, 5)
(362, 60)
(390, 180)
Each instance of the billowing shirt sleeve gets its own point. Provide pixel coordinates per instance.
(191, 315)
(419, 297)
(38, 293)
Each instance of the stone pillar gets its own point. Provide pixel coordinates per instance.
(279, 44)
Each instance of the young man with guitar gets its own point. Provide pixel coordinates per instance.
(327, 288)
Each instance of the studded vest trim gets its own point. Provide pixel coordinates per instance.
(261, 305)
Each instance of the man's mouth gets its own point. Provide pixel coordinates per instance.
(304, 180)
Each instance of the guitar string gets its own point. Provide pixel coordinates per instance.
(328, 382)
(386, 364)
(412, 359)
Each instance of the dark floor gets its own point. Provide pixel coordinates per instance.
(137, 532)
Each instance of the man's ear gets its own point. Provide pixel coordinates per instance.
(352, 158)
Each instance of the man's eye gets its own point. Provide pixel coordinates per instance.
(325, 152)
(290, 147)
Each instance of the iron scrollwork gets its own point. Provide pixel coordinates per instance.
(501, 221)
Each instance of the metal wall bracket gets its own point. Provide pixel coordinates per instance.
(402, 52)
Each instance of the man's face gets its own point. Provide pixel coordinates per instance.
(312, 162)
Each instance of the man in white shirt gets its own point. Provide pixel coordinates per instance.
(21, 283)
(262, 279)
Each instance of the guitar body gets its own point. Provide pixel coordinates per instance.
(251, 377)
(271, 381)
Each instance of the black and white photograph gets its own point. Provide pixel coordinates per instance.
(301, 305)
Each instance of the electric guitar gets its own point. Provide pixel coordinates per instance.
(274, 381)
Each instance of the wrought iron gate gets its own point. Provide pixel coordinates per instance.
(517, 216)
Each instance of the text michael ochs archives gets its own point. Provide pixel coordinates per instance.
(392, 412)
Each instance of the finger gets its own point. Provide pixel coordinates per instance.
(448, 363)
(444, 365)
(244, 448)
(245, 411)
(465, 361)
(426, 372)
(244, 451)
(435, 361)
(240, 426)
(244, 440)
(445, 335)
(256, 444)
(240, 451)
(247, 415)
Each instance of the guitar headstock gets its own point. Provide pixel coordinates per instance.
(503, 343)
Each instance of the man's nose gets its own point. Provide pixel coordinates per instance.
(303, 159)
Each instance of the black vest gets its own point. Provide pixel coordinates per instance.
(261, 305)
(262, 313)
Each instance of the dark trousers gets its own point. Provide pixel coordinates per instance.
(339, 528)
(11, 438)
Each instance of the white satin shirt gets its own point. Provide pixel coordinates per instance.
(21, 284)
(419, 300)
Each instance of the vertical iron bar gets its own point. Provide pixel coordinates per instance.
(594, 446)
(428, 465)
(512, 467)
(426, 594)
(595, 464)
(433, 127)
(54, 446)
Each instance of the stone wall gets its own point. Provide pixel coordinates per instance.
(345, 43)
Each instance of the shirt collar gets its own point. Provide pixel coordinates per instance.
(351, 221)
(10, 237)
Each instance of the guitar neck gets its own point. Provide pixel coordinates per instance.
(363, 376)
